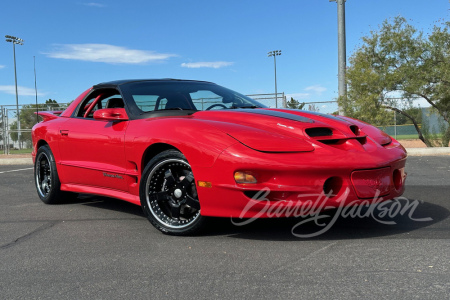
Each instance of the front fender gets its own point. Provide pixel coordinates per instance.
(200, 143)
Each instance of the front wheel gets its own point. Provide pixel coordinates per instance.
(46, 178)
(169, 196)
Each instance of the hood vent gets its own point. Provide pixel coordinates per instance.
(336, 139)
(319, 131)
(354, 129)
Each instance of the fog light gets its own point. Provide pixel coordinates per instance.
(244, 177)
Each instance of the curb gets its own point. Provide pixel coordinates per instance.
(435, 151)
(16, 161)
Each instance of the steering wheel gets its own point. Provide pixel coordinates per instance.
(215, 105)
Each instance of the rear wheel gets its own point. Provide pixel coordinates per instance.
(169, 195)
(46, 178)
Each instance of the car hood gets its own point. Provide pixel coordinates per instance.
(290, 130)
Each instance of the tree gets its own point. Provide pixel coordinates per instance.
(28, 120)
(415, 112)
(295, 104)
(313, 107)
(51, 104)
(398, 60)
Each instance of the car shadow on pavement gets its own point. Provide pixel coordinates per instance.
(107, 203)
(421, 222)
(332, 225)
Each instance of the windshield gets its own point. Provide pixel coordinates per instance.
(150, 96)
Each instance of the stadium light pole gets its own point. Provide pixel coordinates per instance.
(341, 54)
(35, 89)
(15, 40)
(275, 53)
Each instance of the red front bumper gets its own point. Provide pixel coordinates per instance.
(292, 182)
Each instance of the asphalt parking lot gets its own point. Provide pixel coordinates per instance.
(96, 247)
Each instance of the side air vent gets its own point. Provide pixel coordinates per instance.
(319, 131)
(354, 129)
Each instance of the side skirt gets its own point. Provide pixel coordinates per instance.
(78, 188)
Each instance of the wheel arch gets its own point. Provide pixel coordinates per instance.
(41, 143)
(153, 150)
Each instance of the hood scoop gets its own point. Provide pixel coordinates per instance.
(319, 131)
(335, 138)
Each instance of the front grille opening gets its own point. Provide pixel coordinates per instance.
(253, 194)
(354, 129)
(319, 131)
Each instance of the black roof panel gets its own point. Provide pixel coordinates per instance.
(116, 83)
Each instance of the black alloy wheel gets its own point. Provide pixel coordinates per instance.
(169, 195)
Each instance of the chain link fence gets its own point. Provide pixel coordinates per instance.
(429, 122)
(270, 100)
(15, 138)
(399, 129)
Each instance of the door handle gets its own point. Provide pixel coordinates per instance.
(64, 132)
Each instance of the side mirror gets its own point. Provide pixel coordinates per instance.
(111, 114)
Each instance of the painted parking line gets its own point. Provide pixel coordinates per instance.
(16, 170)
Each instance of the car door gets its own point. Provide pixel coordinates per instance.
(92, 151)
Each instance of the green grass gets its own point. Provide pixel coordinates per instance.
(411, 136)
(406, 136)
(21, 151)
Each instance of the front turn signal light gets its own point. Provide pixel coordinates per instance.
(244, 177)
(206, 184)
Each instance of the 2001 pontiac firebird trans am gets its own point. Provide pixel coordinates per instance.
(185, 150)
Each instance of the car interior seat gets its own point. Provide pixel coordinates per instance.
(115, 103)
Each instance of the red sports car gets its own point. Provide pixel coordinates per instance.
(185, 150)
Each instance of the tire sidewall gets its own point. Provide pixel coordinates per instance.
(195, 226)
(53, 196)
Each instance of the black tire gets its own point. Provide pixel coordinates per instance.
(46, 178)
(169, 196)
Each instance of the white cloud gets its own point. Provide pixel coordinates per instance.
(94, 4)
(206, 64)
(107, 54)
(318, 89)
(23, 91)
(2, 66)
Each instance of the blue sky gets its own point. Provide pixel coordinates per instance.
(80, 43)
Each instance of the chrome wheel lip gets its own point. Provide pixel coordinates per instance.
(147, 190)
(39, 180)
